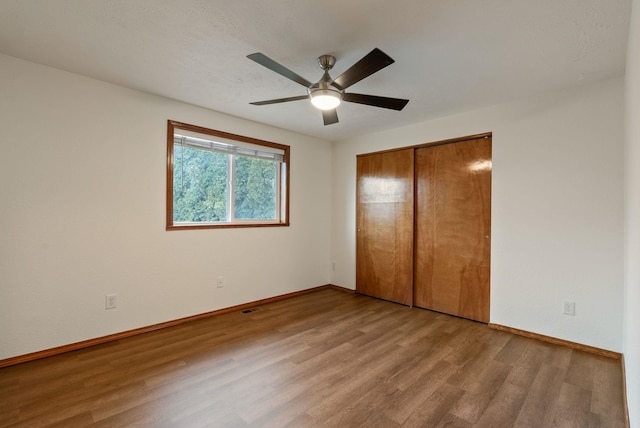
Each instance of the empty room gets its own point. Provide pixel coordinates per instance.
(319, 214)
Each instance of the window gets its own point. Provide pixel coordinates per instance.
(216, 179)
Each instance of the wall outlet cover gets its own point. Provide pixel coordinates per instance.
(569, 308)
(110, 301)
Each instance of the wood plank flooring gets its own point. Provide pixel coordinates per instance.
(324, 359)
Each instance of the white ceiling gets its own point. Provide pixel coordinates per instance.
(451, 55)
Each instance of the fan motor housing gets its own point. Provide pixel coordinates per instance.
(324, 88)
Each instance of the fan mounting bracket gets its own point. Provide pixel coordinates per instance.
(326, 62)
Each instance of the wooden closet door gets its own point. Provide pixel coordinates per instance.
(453, 228)
(384, 222)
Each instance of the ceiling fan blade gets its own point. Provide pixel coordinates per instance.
(375, 100)
(329, 117)
(280, 69)
(372, 62)
(280, 100)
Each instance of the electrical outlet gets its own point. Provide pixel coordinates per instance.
(220, 282)
(110, 301)
(569, 308)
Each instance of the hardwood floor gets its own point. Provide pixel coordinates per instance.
(324, 359)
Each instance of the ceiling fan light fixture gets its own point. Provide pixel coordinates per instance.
(325, 99)
(327, 93)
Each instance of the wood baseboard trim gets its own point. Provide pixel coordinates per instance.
(625, 403)
(136, 331)
(340, 288)
(556, 341)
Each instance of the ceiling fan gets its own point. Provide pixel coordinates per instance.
(327, 93)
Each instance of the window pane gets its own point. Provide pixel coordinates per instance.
(255, 189)
(199, 185)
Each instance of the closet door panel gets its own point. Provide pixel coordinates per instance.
(453, 228)
(384, 221)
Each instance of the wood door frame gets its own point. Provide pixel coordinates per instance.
(432, 143)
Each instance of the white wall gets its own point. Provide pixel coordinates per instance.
(632, 216)
(557, 208)
(82, 215)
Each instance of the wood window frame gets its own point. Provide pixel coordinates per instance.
(172, 126)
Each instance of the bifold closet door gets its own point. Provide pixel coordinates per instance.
(453, 228)
(384, 223)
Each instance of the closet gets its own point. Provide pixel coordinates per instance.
(423, 221)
